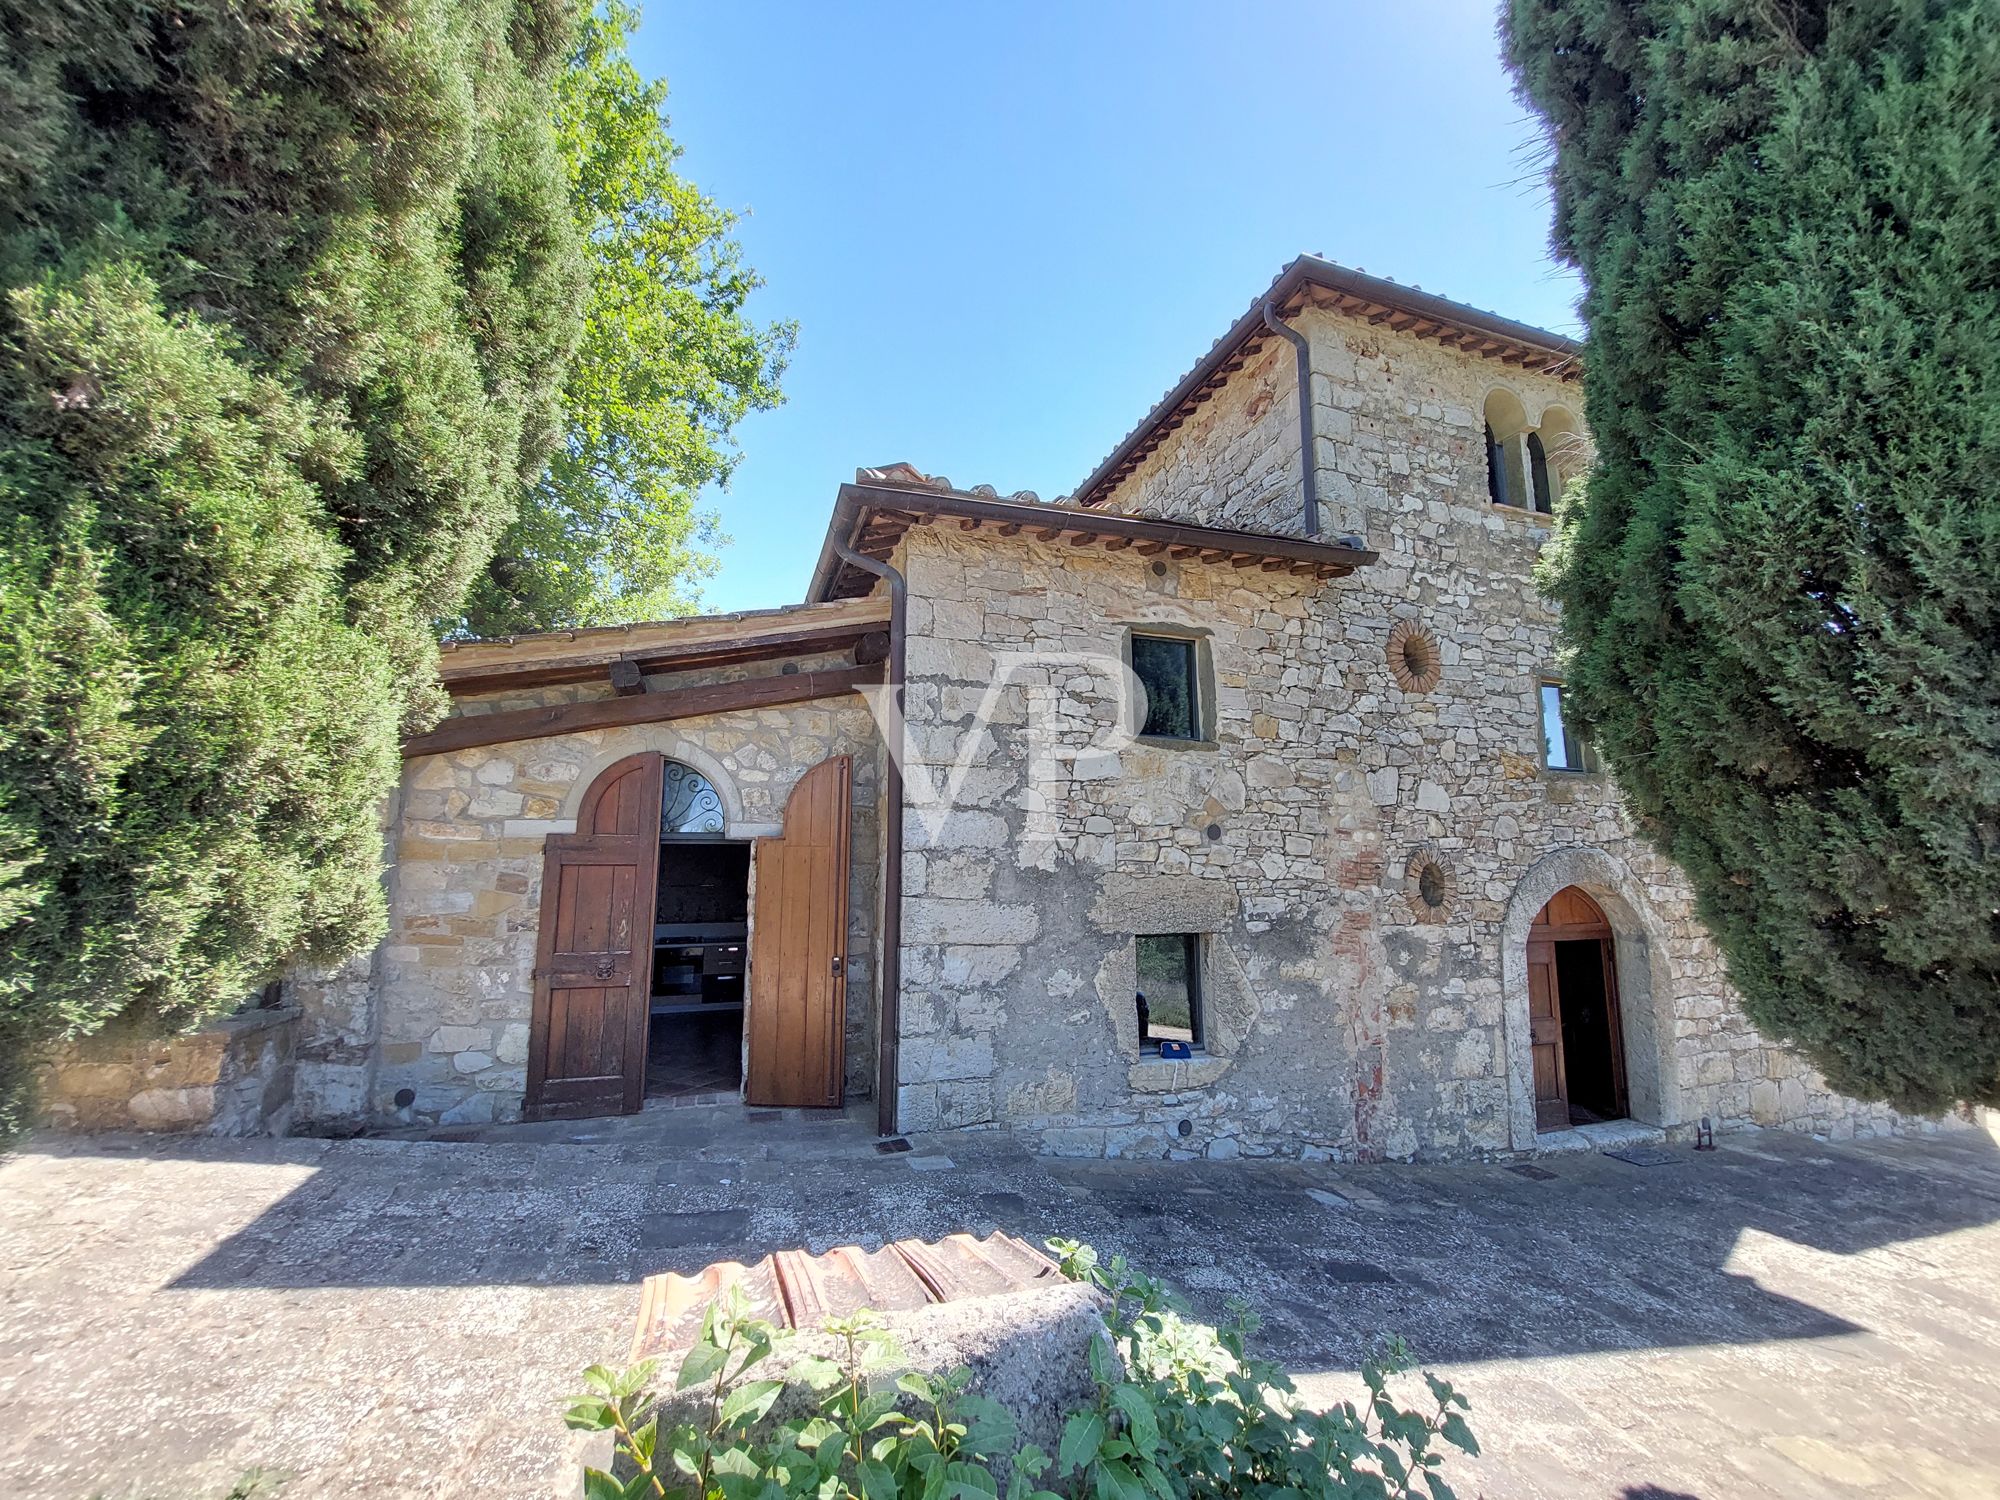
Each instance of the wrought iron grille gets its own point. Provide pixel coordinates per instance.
(690, 807)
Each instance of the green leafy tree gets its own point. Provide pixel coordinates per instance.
(668, 364)
(286, 299)
(1779, 582)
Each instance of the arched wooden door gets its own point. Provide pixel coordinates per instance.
(798, 948)
(1570, 917)
(594, 955)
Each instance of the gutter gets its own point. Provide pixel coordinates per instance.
(1308, 452)
(888, 1024)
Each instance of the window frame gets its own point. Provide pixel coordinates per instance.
(1195, 946)
(1496, 470)
(1585, 755)
(1201, 683)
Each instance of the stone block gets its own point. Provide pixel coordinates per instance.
(513, 1045)
(936, 1059)
(172, 1108)
(473, 1109)
(965, 1102)
(927, 920)
(460, 1039)
(917, 1107)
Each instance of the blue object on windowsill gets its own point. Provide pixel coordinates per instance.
(1175, 1051)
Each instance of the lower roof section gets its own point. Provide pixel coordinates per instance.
(658, 646)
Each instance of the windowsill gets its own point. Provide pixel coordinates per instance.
(1563, 773)
(1174, 742)
(1521, 513)
(1153, 1059)
(1160, 1075)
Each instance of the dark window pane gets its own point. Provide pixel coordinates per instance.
(1165, 669)
(1538, 469)
(1169, 989)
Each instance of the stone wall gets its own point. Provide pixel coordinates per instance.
(1349, 1017)
(449, 995)
(232, 1076)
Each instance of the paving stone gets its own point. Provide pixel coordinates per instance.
(1738, 1328)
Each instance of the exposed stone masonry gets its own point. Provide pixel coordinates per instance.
(1360, 1025)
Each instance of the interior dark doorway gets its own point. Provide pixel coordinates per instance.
(694, 1036)
(1576, 1042)
(1589, 1066)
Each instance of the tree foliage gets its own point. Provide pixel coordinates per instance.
(668, 365)
(1780, 582)
(287, 294)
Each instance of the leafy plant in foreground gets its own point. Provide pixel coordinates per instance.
(861, 1441)
(1193, 1413)
(1183, 1411)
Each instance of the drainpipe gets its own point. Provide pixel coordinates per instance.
(889, 1024)
(1306, 446)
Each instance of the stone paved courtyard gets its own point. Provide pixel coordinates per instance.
(385, 1318)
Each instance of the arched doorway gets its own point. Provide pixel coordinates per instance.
(701, 933)
(1576, 1039)
(644, 951)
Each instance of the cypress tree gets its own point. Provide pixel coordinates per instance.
(287, 294)
(1779, 582)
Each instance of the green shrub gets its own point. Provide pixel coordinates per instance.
(860, 1442)
(1778, 584)
(1184, 1412)
(287, 295)
(1189, 1412)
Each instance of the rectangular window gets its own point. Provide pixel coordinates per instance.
(1165, 667)
(1169, 990)
(1563, 749)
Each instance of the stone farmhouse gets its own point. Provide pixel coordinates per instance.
(1223, 807)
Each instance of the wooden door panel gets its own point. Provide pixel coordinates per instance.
(1545, 1037)
(798, 947)
(594, 954)
(1616, 1020)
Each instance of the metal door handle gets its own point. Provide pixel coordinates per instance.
(839, 965)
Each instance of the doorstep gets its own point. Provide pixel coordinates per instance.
(1607, 1135)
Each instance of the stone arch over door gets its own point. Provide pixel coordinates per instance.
(1645, 985)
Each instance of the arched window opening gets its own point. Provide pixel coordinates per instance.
(1562, 446)
(1506, 458)
(690, 806)
(1538, 473)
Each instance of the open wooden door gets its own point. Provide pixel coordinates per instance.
(1571, 917)
(594, 957)
(798, 948)
(1545, 1037)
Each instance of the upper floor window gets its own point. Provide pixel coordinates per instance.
(1524, 464)
(1563, 749)
(1169, 671)
(1538, 474)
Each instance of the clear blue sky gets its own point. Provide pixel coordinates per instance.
(1004, 231)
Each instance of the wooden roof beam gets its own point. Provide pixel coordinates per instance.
(470, 731)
